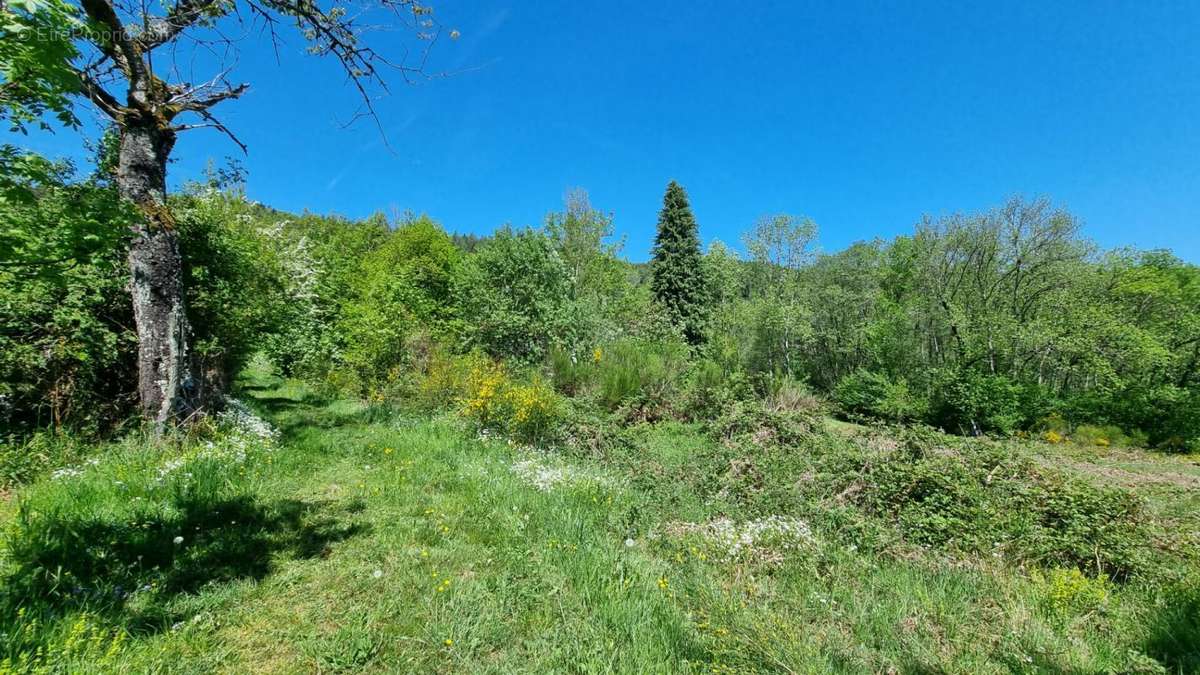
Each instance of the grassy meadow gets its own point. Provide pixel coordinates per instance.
(339, 536)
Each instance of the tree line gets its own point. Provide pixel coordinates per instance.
(998, 322)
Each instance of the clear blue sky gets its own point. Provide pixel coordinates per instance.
(863, 116)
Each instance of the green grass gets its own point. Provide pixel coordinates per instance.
(374, 541)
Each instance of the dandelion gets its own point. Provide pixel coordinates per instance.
(377, 574)
(449, 642)
(629, 543)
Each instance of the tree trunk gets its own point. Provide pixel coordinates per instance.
(156, 271)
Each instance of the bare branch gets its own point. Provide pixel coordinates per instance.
(191, 103)
(212, 123)
(162, 29)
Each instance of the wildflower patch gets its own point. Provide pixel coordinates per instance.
(540, 472)
(764, 540)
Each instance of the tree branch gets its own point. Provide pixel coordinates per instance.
(213, 123)
(106, 102)
(115, 41)
(160, 30)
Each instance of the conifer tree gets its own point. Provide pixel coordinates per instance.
(677, 274)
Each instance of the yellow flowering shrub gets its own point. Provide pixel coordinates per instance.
(1052, 437)
(528, 411)
(447, 377)
(533, 409)
(485, 398)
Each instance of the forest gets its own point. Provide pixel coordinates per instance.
(235, 438)
(1007, 322)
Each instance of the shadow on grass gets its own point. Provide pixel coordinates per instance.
(129, 567)
(314, 412)
(1175, 634)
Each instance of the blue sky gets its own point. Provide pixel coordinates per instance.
(862, 116)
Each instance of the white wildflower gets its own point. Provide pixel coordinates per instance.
(242, 421)
(765, 539)
(65, 473)
(536, 468)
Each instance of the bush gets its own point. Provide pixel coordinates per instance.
(403, 289)
(67, 354)
(756, 424)
(981, 497)
(971, 404)
(446, 376)
(514, 298)
(529, 411)
(233, 280)
(535, 411)
(68, 349)
(1100, 436)
(711, 387)
(1068, 592)
(572, 371)
(641, 377)
(788, 394)
(870, 394)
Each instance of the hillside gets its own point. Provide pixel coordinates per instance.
(352, 537)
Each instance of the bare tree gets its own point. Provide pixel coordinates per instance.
(128, 65)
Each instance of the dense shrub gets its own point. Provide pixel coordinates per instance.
(788, 394)
(982, 497)
(640, 377)
(530, 411)
(971, 403)
(403, 287)
(870, 394)
(1069, 592)
(573, 371)
(446, 377)
(1100, 436)
(233, 279)
(513, 298)
(751, 422)
(67, 347)
(711, 387)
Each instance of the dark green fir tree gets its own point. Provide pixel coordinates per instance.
(677, 273)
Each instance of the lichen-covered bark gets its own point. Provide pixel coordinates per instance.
(156, 269)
